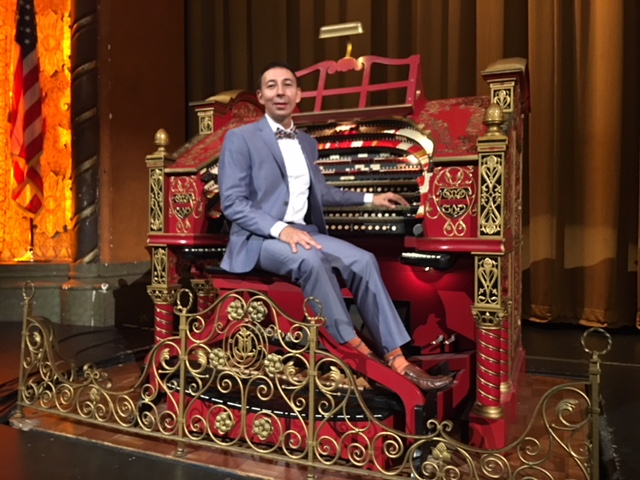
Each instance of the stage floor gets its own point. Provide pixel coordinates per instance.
(55, 449)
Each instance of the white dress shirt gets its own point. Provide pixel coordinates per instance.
(299, 181)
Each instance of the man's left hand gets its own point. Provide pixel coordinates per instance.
(389, 199)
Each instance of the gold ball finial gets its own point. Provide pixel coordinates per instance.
(161, 139)
(493, 118)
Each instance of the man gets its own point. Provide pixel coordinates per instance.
(273, 193)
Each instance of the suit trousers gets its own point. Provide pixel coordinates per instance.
(315, 272)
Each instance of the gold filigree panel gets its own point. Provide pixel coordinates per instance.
(488, 280)
(53, 237)
(205, 122)
(160, 266)
(503, 94)
(227, 352)
(452, 199)
(184, 202)
(491, 194)
(156, 200)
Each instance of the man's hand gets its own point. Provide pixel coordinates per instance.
(295, 237)
(389, 199)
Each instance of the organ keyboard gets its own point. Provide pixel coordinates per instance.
(373, 157)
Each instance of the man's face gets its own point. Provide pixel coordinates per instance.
(279, 93)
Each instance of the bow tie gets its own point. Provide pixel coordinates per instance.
(282, 133)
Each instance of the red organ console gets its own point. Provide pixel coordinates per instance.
(450, 260)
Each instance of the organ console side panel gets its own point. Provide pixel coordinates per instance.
(497, 306)
(450, 260)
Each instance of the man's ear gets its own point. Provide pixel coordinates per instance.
(298, 95)
(259, 96)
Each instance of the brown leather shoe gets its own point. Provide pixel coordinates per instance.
(424, 381)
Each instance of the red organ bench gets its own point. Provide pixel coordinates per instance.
(451, 260)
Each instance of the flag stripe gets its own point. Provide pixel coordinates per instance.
(30, 60)
(34, 121)
(32, 96)
(30, 70)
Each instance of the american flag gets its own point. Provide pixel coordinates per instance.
(27, 134)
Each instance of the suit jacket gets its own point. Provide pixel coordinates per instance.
(254, 190)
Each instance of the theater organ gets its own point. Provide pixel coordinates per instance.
(450, 260)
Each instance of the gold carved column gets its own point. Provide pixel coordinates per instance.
(489, 309)
(498, 265)
(164, 287)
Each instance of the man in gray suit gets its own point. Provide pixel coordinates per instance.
(273, 193)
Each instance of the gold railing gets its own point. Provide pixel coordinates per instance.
(242, 376)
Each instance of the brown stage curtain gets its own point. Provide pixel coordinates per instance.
(581, 173)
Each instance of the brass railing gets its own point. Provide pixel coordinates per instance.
(237, 380)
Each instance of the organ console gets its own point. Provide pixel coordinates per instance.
(450, 260)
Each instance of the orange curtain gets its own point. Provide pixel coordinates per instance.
(582, 232)
(581, 172)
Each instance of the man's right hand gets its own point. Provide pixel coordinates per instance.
(295, 237)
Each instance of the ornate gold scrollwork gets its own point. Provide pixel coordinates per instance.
(204, 288)
(159, 266)
(165, 296)
(224, 422)
(218, 358)
(236, 309)
(184, 202)
(487, 280)
(453, 199)
(459, 201)
(314, 387)
(205, 122)
(263, 428)
(491, 170)
(488, 319)
(504, 98)
(156, 199)
(273, 364)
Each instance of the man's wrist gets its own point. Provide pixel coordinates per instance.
(277, 228)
